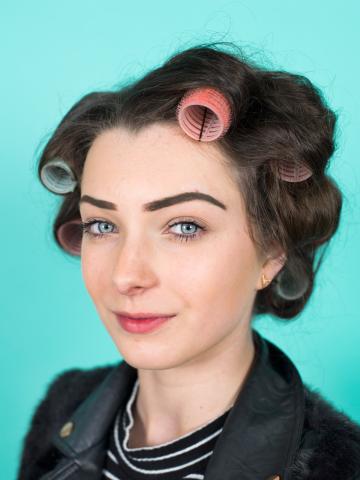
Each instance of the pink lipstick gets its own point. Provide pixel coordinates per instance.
(141, 325)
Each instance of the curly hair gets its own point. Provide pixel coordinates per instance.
(276, 116)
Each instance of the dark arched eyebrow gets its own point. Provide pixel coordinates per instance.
(158, 204)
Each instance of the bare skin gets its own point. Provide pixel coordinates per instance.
(191, 368)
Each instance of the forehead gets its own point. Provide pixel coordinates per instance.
(160, 158)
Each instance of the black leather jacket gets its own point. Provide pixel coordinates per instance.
(277, 427)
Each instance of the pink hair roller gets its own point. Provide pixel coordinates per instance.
(69, 235)
(290, 172)
(204, 114)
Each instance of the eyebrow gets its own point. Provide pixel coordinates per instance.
(158, 204)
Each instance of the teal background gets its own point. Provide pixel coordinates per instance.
(52, 53)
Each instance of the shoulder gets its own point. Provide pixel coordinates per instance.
(330, 446)
(63, 393)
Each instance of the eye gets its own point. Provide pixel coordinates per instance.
(189, 232)
(86, 228)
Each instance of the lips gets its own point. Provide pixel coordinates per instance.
(141, 325)
(144, 315)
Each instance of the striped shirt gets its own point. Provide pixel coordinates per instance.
(185, 457)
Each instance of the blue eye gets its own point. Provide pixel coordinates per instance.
(86, 228)
(190, 235)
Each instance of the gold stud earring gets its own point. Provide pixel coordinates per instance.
(264, 281)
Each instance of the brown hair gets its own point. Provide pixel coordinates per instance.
(276, 115)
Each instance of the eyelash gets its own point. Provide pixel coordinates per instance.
(85, 226)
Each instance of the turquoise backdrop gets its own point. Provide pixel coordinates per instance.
(52, 53)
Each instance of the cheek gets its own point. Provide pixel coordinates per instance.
(217, 288)
(224, 272)
(94, 268)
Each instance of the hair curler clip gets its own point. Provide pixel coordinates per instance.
(204, 114)
(58, 177)
(291, 172)
(69, 235)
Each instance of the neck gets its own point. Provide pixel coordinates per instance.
(173, 402)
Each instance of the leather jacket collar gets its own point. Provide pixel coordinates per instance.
(260, 436)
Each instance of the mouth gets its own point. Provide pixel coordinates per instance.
(141, 325)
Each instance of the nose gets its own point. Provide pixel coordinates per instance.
(132, 270)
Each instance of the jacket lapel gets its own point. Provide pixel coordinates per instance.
(259, 439)
(263, 430)
(83, 438)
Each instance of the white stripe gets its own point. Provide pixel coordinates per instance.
(153, 472)
(196, 476)
(112, 456)
(109, 475)
(179, 452)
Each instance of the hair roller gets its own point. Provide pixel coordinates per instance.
(291, 172)
(69, 235)
(58, 177)
(289, 286)
(204, 114)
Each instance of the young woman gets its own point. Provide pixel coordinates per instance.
(197, 198)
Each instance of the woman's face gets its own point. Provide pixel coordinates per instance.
(208, 278)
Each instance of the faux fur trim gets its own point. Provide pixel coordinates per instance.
(63, 395)
(330, 447)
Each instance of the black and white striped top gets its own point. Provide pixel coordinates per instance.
(186, 457)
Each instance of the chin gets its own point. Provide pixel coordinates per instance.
(147, 358)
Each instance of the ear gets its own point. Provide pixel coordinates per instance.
(273, 263)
